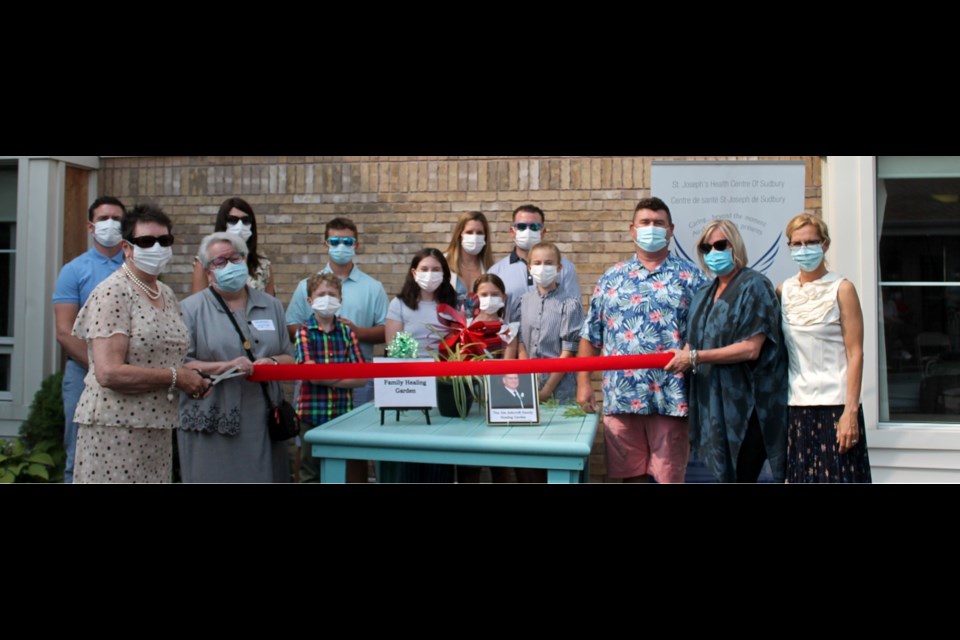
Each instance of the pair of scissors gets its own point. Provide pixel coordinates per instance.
(232, 372)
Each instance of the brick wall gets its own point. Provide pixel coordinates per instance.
(400, 204)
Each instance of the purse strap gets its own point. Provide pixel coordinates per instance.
(243, 341)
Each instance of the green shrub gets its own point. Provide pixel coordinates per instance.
(38, 454)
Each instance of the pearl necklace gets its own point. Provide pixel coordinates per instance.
(153, 295)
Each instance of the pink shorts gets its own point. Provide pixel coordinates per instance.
(646, 445)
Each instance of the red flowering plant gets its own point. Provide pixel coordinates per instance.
(465, 342)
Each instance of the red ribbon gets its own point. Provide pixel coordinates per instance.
(405, 369)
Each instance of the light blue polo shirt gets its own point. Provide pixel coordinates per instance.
(364, 304)
(81, 276)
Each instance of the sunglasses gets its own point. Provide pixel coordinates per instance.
(719, 245)
(145, 242)
(235, 219)
(523, 226)
(347, 242)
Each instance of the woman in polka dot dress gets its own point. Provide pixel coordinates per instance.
(136, 343)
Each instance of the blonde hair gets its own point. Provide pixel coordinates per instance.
(546, 245)
(802, 220)
(454, 250)
(733, 237)
(324, 278)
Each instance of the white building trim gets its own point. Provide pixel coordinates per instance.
(899, 452)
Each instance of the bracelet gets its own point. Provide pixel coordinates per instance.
(275, 361)
(173, 385)
(693, 361)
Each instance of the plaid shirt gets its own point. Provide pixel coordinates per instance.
(319, 403)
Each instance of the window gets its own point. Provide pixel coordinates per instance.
(918, 207)
(8, 248)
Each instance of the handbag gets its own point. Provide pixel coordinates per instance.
(283, 422)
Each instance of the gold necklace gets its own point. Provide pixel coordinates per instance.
(153, 295)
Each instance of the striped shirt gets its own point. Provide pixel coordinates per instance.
(319, 403)
(550, 324)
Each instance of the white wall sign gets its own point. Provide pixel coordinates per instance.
(759, 197)
(395, 393)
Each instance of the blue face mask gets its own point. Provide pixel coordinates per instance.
(232, 277)
(342, 254)
(720, 262)
(807, 258)
(651, 238)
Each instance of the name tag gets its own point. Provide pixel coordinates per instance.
(264, 325)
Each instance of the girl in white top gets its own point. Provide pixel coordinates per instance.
(823, 332)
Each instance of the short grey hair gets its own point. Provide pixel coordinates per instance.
(214, 238)
(732, 235)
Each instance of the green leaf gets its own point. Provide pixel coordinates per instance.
(38, 471)
(3, 457)
(18, 448)
(16, 469)
(6, 477)
(41, 458)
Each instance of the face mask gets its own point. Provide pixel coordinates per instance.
(807, 258)
(231, 277)
(527, 238)
(544, 274)
(241, 229)
(326, 306)
(107, 233)
(429, 281)
(342, 254)
(651, 238)
(473, 244)
(491, 304)
(153, 260)
(720, 262)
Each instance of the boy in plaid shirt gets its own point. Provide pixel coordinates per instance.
(324, 339)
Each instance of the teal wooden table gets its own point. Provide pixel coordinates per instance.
(558, 444)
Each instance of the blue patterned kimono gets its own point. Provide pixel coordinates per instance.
(723, 396)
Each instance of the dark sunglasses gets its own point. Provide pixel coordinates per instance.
(347, 242)
(236, 219)
(145, 242)
(522, 226)
(719, 245)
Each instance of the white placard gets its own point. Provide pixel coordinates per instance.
(395, 393)
(759, 197)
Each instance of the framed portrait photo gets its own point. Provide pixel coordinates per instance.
(512, 399)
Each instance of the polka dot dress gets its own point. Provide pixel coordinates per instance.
(125, 437)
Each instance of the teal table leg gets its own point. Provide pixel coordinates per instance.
(562, 476)
(333, 470)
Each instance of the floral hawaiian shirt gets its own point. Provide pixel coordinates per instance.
(635, 311)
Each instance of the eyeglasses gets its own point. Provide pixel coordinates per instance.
(347, 242)
(533, 226)
(145, 242)
(221, 262)
(804, 243)
(235, 219)
(719, 245)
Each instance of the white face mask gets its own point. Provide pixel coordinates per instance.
(491, 304)
(241, 229)
(527, 238)
(544, 274)
(153, 260)
(473, 243)
(326, 306)
(107, 233)
(429, 281)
